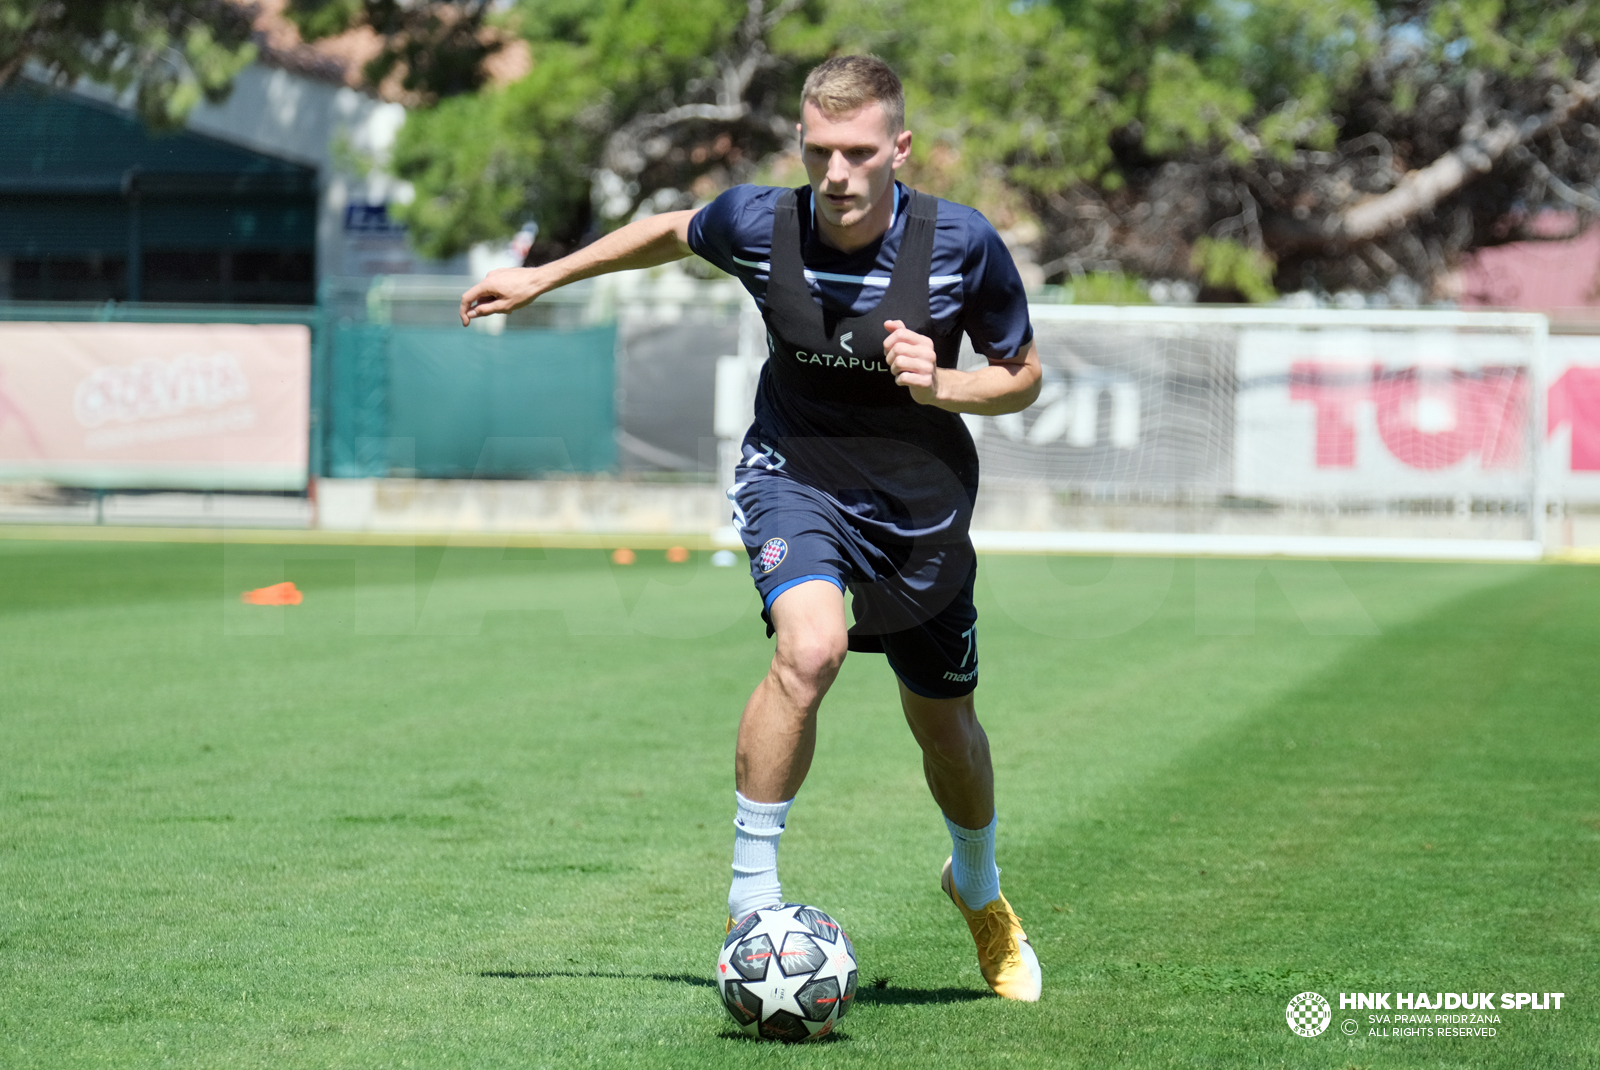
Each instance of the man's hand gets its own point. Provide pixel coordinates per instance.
(913, 362)
(644, 243)
(1009, 385)
(502, 290)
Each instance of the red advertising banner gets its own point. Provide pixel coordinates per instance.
(185, 405)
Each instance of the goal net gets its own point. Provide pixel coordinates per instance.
(1290, 431)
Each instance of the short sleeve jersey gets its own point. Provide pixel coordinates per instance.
(973, 286)
(853, 452)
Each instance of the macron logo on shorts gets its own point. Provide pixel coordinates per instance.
(773, 551)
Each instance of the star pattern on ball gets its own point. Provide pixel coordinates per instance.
(787, 973)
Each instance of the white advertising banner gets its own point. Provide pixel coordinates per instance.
(1371, 414)
(206, 406)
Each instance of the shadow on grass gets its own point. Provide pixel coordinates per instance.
(540, 975)
(814, 1042)
(888, 996)
(903, 997)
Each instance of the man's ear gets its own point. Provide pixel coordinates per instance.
(902, 148)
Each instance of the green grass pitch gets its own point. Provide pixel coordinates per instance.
(471, 808)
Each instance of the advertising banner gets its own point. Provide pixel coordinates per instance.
(1382, 414)
(198, 406)
(1572, 419)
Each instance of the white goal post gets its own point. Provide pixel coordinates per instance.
(1262, 431)
(1274, 431)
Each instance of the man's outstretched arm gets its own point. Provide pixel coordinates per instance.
(642, 244)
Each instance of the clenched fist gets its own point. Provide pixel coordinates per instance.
(912, 360)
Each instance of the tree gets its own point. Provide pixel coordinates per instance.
(434, 49)
(171, 54)
(1289, 142)
(630, 102)
(1256, 147)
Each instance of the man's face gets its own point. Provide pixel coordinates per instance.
(851, 161)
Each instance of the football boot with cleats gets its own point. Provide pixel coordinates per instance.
(1005, 957)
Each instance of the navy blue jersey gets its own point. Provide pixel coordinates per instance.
(973, 286)
(828, 413)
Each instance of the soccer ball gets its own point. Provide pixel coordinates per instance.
(787, 973)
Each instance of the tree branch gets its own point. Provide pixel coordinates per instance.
(638, 143)
(628, 150)
(1575, 197)
(1420, 190)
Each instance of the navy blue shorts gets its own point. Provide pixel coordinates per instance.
(911, 602)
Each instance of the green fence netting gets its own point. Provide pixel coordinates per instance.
(447, 402)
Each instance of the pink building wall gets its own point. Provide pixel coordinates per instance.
(1541, 276)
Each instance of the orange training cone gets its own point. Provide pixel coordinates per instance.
(279, 594)
(623, 556)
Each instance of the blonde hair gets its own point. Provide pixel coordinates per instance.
(846, 84)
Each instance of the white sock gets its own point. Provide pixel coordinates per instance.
(972, 867)
(756, 829)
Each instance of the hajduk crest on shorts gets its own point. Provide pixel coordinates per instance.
(773, 551)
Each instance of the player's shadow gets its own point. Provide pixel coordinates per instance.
(595, 975)
(892, 996)
(887, 996)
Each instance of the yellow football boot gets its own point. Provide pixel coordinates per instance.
(1005, 957)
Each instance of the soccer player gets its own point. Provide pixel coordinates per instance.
(858, 474)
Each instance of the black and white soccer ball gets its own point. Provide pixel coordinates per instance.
(787, 973)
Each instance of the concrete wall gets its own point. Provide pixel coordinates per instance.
(548, 506)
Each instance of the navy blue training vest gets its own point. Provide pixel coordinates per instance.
(828, 411)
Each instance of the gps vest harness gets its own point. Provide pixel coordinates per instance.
(840, 358)
(828, 408)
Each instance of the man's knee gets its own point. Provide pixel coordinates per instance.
(809, 660)
(812, 640)
(958, 749)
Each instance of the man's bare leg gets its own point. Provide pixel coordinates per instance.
(955, 756)
(955, 759)
(778, 734)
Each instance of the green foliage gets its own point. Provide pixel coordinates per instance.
(1048, 91)
(484, 163)
(1015, 105)
(480, 168)
(437, 48)
(1224, 264)
(172, 54)
(1109, 288)
(324, 18)
(989, 90)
